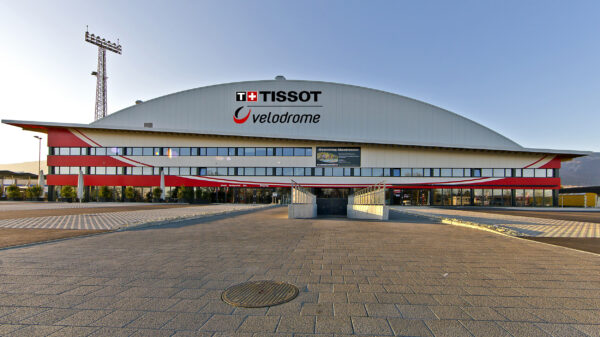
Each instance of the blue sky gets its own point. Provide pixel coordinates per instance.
(527, 69)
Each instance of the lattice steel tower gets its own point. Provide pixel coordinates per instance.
(103, 45)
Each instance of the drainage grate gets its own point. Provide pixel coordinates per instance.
(258, 294)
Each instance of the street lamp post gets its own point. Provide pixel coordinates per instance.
(39, 153)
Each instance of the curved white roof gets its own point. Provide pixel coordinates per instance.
(347, 114)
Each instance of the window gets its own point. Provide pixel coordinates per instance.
(173, 171)
(396, 172)
(250, 151)
(309, 152)
(540, 173)
(101, 170)
(357, 172)
(406, 172)
(157, 151)
(111, 170)
(446, 172)
(211, 171)
(288, 151)
(184, 151)
(100, 151)
(299, 151)
(75, 151)
(508, 173)
(269, 171)
(221, 171)
(417, 172)
(147, 151)
(347, 172)
(194, 151)
(279, 151)
(137, 151)
(202, 171)
(278, 171)
(288, 171)
(261, 171)
(307, 171)
(436, 172)
(261, 151)
(518, 172)
(386, 172)
(338, 172)
(365, 172)
(231, 151)
(211, 151)
(156, 171)
(240, 151)
(458, 172)
(270, 151)
(136, 171)
(328, 171)
(318, 171)
(203, 151)
(486, 172)
(222, 151)
(231, 171)
(550, 173)
(498, 172)
(184, 171)
(426, 172)
(528, 173)
(74, 170)
(299, 171)
(377, 172)
(64, 151)
(476, 172)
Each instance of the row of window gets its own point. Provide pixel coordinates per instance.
(308, 171)
(182, 151)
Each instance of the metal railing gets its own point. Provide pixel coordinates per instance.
(372, 195)
(301, 195)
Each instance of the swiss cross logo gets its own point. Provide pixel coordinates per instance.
(252, 96)
(240, 96)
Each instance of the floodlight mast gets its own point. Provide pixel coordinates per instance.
(103, 46)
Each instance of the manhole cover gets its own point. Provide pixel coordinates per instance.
(258, 294)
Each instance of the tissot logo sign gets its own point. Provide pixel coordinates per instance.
(262, 101)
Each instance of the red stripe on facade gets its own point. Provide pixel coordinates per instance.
(86, 161)
(129, 180)
(135, 161)
(86, 137)
(535, 162)
(555, 163)
(63, 137)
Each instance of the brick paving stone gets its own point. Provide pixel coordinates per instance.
(74, 331)
(261, 324)
(371, 326)
(523, 329)
(222, 323)
(35, 330)
(487, 329)
(177, 272)
(304, 324)
(447, 328)
(409, 327)
(333, 325)
(560, 330)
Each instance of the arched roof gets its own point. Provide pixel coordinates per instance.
(347, 113)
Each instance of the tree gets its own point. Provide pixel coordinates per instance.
(33, 192)
(185, 193)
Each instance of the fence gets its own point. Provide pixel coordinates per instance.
(372, 195)
(301, 195)
(304, 203)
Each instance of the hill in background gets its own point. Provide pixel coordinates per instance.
(30, 167)
(582, 171)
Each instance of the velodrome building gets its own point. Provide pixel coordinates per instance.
(261, 135)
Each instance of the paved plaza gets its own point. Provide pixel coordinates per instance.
(406, 276)
(109, 220)
(531, 226)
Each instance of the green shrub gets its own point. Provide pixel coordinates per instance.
(105, 193)
(33, 192)
(156, 193)
(185, 193)
(13, 192)
(129, 193)
(68, 192)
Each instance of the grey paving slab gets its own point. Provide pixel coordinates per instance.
(406, 276)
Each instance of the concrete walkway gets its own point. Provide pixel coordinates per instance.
(523, 224)
(401, 277)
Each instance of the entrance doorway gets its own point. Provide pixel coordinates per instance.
(409, 197)
(332, 201)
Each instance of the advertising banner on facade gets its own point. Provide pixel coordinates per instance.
(338, 156)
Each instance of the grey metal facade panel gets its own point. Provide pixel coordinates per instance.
(348, 113)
